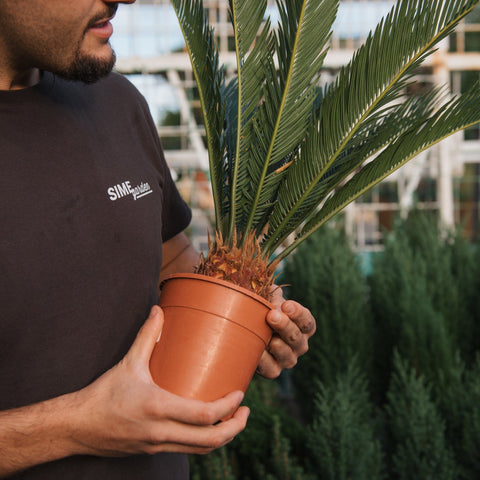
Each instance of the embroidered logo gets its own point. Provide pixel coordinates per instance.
(125, 188)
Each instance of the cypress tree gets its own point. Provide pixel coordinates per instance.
(459, 400)
(406, 300)
(325, 275)
(419, 447)
(342, 440)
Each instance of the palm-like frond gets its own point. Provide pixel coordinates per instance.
(454, 116)
(287, 155)
(282, 119)
(375, 134)
(252, 57)
(364, 90)
(200, 44)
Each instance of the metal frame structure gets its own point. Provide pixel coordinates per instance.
(442, 165)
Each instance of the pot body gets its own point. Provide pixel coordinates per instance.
(213, 337)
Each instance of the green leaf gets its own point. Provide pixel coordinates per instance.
(202, 50)
(253, 55)
(283, 117)
(377, 131)
(374, 79)
(456, 115)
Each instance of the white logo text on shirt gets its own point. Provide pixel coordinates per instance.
(125, 188)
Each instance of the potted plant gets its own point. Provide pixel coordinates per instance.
(287, 155)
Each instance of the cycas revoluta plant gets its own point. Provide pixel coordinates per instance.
(286, 155)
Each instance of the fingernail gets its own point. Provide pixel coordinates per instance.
(153, 311)
(275, 317)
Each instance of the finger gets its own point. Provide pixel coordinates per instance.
(268, 366)
(283, 354)
(195, 412)
(213, 436)
(203, 439)
(301, 316)
(288, 331)
(147, 336)
(277, 296)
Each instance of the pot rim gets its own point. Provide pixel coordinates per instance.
(225, 283)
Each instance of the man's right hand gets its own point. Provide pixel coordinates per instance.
(125, 412)
(122, 413)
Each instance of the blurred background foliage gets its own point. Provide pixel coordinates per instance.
(390, 388)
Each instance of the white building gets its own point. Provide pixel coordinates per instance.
(149, 47)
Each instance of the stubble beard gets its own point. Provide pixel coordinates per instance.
(87, 69)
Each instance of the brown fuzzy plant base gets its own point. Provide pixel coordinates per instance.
(242, 266)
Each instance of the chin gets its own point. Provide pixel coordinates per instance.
(88, 69)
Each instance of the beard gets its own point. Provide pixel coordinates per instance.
(87, 69)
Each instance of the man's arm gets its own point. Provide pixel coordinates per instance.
(178, 256)
(35, 434)
(123, 412)
(292, 323)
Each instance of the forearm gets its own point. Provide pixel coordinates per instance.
(37, 434)
(123, 412)
(179, 256)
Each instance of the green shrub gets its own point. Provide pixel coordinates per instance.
(325, 275)
(342, 440)
(215, 466)
(390, 387)
(459, 401)
(420, 449)
(406, 298)
(470, 452)
(271, 446)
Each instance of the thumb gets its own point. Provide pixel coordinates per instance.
(147, 336)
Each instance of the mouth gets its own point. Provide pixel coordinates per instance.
(101, 23)
(102, 30)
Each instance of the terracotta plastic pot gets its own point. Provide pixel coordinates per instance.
(213, 337)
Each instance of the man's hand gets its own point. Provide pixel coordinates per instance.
(123, 412)
(293, 325)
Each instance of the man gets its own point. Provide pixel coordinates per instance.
(80, 258)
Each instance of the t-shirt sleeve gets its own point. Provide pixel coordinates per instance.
(175, 212)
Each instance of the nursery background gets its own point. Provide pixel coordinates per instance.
(391, 385)
(390, 388)
(150, 52)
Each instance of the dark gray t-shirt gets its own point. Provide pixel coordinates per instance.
(86, 200)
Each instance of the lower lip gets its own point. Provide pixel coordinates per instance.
(103, 31)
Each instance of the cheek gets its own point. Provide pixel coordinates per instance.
(43, 32)
(62, 42)
(62, 23)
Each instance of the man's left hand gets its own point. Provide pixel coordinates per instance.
(292, 326)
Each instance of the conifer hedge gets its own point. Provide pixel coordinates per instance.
(390, 388)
